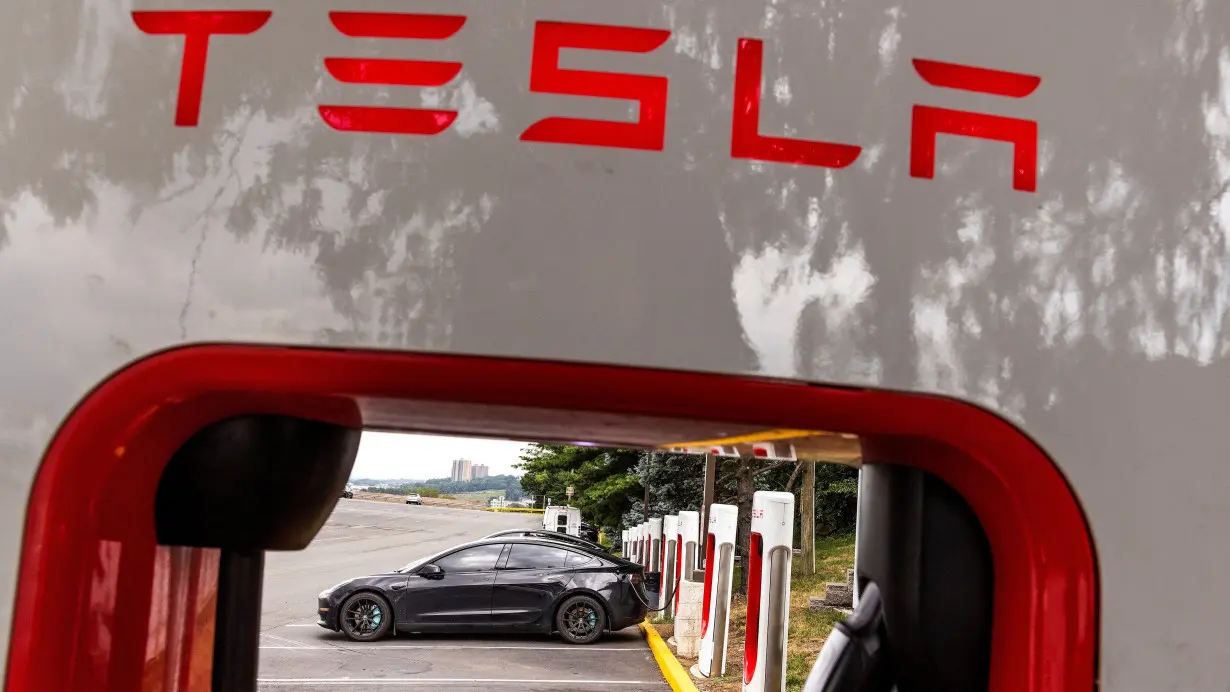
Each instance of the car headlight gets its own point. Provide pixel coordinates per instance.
(325, 594)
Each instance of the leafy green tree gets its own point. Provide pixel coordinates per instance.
(448, 485)
(603, 478)
(836, 498)
(676, 482)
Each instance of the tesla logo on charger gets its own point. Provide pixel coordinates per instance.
(650, 92)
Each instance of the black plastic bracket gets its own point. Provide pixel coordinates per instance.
(254, 483)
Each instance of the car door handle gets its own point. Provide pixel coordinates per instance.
(397, 587)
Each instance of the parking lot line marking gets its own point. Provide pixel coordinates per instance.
(296, 645)
(303, 624)
(585, 649)
(327, 539)
(444, 681)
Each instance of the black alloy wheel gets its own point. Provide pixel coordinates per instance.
(580, 620)
(366, 617)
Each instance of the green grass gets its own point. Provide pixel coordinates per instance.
(478, 496)
(808, 630)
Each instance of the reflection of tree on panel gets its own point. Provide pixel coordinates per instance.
(1105, 270)
(1134, 265)
(393, 221)
(389, 218)
(304, 193)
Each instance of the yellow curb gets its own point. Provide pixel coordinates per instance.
(672, 669)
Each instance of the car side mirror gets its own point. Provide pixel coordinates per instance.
(431, 572)
(853, 657)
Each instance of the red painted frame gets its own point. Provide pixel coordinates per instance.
(98, 479)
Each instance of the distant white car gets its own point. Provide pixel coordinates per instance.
(414, 499)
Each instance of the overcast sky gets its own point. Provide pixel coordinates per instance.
(394, 455)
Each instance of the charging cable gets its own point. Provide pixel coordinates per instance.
(665, 601)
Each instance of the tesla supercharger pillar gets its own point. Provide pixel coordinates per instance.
(719, 575)
(643, 545)
(768, 592)
(623, 543)
(670, 538)
(636, 543)
(655, 544)
(685, 550)
(689, 544)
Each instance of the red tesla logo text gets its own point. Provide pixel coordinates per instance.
(649, 92)
(196, 28)
(746, 142)
(400, 121)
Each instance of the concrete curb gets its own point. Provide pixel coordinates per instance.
(672, 669)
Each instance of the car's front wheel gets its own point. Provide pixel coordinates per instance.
(366, 617)
(580, 619)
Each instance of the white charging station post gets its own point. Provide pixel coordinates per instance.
(623, 543)
(719, 577)
(634, 540)
(768, 591)
(642, 548)
(670, 539)
(689, 536)
(655, 544)
(685, 550)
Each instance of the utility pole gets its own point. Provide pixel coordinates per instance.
(807, 518)
(708, 499)
(648, 461)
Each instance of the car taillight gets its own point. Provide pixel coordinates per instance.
(751, 644)
(710, 568)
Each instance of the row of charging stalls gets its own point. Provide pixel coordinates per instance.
(668, 545)
(924, 585)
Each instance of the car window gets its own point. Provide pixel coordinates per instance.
(577, 559)
(476, 559)
(530, 556)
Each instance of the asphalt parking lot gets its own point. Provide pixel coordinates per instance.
(365, 537)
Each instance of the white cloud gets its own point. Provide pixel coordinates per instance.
(397, 455)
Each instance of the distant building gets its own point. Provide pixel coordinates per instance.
(480, 471)
(463, 470)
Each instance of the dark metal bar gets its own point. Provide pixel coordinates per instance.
(237, 633)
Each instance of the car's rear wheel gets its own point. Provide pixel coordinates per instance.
(366, 617)
(580, 619)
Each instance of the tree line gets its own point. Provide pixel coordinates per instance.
(437, 487)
